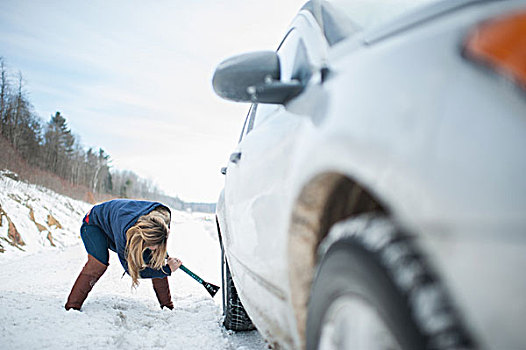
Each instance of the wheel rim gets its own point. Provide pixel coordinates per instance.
(352, 323)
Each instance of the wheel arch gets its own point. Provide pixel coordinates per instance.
(326, 199)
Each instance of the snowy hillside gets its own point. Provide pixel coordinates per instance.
(42, 254)
(33, 218)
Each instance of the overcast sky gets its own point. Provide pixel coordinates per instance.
(134, 77)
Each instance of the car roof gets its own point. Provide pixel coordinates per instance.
(336, 26)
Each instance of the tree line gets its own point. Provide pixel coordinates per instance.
(51, 146)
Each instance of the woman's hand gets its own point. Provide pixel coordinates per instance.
(174, 263)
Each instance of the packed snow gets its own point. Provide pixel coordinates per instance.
(36, 278)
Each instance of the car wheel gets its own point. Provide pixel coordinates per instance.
(373, 291)
(236, 317)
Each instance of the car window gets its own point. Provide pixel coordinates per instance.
(257, 112)
(287, 53)
(369, 13)
(294, 58)
(334, 25)
(245, 124)
(251, 117)
(262, 112)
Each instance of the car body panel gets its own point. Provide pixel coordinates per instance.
(437, 139)
(254, 205)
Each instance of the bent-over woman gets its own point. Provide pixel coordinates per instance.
(138, 232)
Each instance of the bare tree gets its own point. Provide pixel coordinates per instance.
(21, 111)
(50, 149)
(3, 93)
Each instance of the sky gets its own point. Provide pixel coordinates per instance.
(134, 77)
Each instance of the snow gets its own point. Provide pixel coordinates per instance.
(36, 282)
(18, 198)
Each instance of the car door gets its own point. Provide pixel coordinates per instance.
(257, 181)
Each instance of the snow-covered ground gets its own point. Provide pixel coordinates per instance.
(35, 282)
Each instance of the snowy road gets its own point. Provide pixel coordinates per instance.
(33, 290)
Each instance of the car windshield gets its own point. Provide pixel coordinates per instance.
(368, 13)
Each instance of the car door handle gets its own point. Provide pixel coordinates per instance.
(235, 157)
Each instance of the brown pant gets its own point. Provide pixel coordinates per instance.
(89, 275)
(162, 290)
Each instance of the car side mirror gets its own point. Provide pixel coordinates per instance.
(254, 77)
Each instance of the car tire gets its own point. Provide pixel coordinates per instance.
(236, 317)
(372, 290)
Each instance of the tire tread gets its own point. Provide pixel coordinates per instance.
(236, 317)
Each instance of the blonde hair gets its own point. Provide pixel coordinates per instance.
(151, 229)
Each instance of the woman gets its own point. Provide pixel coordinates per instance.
(137, 231)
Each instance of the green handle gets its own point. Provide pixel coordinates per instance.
(193, 275)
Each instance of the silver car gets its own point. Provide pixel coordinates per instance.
(377, 196)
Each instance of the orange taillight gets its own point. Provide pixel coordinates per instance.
(501, 44)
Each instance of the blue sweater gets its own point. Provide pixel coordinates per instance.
(114, 218)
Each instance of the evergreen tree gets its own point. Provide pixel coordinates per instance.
(4, 87)
(52, 146)
(58, 145)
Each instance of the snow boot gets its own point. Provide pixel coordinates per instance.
(162, 291)
(89, 275)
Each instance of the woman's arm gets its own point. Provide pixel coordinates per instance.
(148, 272)
(172, 265)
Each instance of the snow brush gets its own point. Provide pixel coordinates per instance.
(210, 288)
